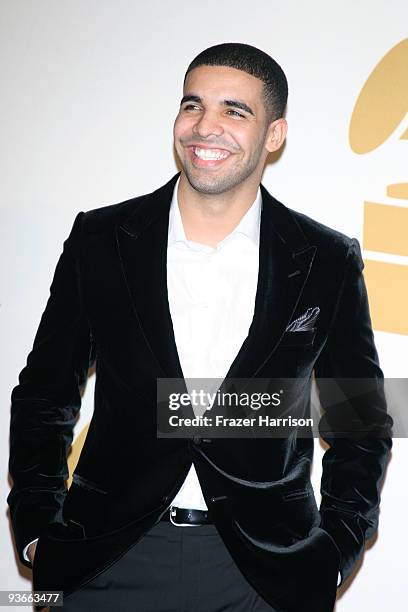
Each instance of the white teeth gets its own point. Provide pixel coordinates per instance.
(210, 153)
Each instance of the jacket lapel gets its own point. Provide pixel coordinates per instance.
(285, 260)
(142, 244)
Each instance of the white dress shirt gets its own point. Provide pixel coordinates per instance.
(211, 294)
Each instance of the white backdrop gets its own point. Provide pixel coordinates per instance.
(90, 89)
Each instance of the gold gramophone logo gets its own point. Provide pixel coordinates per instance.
(379, 113)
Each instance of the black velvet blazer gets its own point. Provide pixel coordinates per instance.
(109, 303)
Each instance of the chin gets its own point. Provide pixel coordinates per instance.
(208, 186)
(211, 185)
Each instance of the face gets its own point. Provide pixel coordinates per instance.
(221, 133)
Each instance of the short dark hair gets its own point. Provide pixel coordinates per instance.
(255, 62)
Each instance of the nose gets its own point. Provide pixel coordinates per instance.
(208, 125)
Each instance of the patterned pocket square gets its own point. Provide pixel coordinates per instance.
(306, 321)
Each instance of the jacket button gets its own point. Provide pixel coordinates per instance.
(197, 440)
(219, 498)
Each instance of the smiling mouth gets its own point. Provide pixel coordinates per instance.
(210, 153)
(205, 157)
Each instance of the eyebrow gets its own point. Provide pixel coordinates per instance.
(235, 103)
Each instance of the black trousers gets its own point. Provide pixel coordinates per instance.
(172, 569)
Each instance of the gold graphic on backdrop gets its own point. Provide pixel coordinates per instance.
(75, 452)
(382, 103)
(379, 110)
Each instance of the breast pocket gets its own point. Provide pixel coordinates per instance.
(299, 338)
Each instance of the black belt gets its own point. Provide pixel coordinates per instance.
(187, 516)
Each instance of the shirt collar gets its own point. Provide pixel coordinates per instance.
(249, 225)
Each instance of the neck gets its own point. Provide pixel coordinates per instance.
(209, 218)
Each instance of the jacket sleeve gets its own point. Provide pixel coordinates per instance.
(355, 423)
(45, 403)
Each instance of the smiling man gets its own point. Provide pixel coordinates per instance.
(226, 126)
(209, 276)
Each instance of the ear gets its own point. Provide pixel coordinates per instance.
(276, 134)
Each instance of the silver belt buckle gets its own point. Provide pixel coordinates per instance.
(173, 513)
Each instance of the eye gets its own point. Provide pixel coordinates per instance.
(235, 113)
(190, 106)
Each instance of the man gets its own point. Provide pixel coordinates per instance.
(209, 276)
